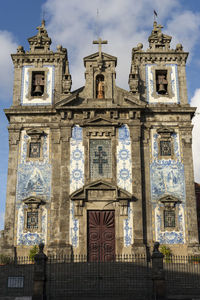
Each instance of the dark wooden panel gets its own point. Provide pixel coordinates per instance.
(101, 235)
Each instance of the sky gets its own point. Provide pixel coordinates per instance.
(74, 24)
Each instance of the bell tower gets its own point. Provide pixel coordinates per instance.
(158, 78)
(41, 79)
(41, 75)
(158, 74)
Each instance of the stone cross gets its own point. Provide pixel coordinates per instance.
(100, 160)
(100, 42)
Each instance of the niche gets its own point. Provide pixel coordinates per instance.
(100, 92)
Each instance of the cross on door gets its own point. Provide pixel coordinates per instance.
(100, 160)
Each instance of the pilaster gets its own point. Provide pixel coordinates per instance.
(138, 238)
(14, 137)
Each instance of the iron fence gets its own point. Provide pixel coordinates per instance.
(16, 277)
(182, 275)
(123, 277)
(73, 277)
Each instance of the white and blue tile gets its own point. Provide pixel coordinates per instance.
(170, 237)
(167, 178)
(49, 87)
(128, 228)
(124, 177)
(76, 177)
(150, 85)
(30, 238)
(33, 179)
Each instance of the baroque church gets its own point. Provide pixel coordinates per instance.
(100, 170)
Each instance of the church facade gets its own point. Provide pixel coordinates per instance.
(100, 170)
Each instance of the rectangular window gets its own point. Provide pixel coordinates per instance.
(32, 220)
(169, 218)
(165, 148)
(34, 149)
(100, 158)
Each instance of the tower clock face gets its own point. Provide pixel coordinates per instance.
(37, 85)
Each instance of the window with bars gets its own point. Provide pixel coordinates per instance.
(165, 148)
(32, 220)
(169, 218)
(34, 149)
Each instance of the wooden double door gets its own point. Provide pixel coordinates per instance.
(101, 235)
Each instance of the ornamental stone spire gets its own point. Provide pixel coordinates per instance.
(158, 40)
(41, 41)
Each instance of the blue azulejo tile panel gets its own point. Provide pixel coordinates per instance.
(150, 77)
(26, 99)
(167, 178)
(76, 177)
(74, 227)
(33, 179)
(128, 227)
(167, 175)
(30, 238)
(124, 161)
(124, 177)
(76, 159)
(170, 237)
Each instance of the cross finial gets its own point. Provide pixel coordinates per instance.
(100, 42)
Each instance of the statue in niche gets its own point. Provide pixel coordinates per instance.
(100, 87)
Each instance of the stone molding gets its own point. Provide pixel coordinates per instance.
(101, 191)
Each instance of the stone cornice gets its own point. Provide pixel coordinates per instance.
(170, 56)
(170, 109)
(44, 57)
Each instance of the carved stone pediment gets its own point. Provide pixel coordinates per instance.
(37, 133)
(105, 57)
(169, 200)
(165, 131)
(33, 201)
(100, 191)
(101, 121)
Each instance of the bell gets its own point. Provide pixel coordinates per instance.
(162, 82)
(38, 91)
(161, 89)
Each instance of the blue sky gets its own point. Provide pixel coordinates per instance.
(124, 23)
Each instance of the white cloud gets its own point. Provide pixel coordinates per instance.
(195, 101)
(123, 23)
(185, 28)
(8, 46)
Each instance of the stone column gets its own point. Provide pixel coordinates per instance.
(14, 137)
(192, 227)
(39, 277)
(158, 276)
(55, 188)
(64, 209)
(138, 243)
